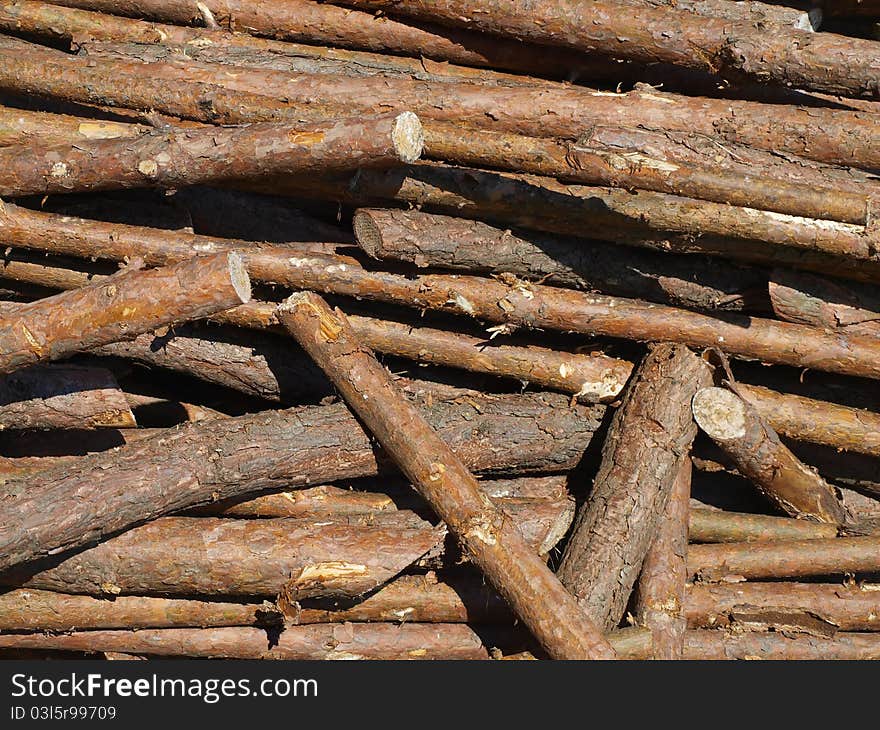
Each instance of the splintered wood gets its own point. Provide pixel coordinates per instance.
(439, 329)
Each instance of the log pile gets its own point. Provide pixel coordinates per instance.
(449, 329)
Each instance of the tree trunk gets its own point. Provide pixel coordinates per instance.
(121, 307)
(648, 441)
(785, 559)
(429, 240)
(759, 455)
(703, 645)
(63, 396)
(441, 477)
(713, 526)
(660, 591)
(20, 127)
(199, 463)
(762, 15)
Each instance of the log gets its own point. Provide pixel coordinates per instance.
(201, 463)
(755, 448)
(318, 642)
(441, 241)
(63, 396)
(495, 545)
(806, 299)
(815, 421)
(27, 609)
(660, 591)
(821, 62)
(207, 556)
(589, 162)
(710, 644)
(846, 607)
(647, 444)
(20, 126)
(713, 526)
(762, 15)
(124, 306)
(785, 558)
(179, 157)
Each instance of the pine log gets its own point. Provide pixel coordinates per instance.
(191, 156)
(647, 444)
(785, 559)
(206, 556)
(846, 607)
(713, 644)
(63, 396)
(20, 126)
(426, 239)
(200, 463)
(714, 526)
(588, 162)
(27, 609)
(762, 15)
(806, 299)
(123, 306)
(823, 62)
(317, 642)
(441, 477)
(755, 448)
(815, 421)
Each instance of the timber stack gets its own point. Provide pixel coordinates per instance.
(440, 329)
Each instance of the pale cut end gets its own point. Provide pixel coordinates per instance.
(812, 20)
(367, 233)
(238, 274)
(720, 413)
(295, 300)
(408, 137)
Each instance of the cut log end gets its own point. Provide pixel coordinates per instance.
(720, 413)
(408, 137)
(367, 233)
(238, 275)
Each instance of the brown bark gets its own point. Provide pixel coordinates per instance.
(190, 156)
(648, 441)
(815, 421)
(844, 607)
(19, 127)
(713, 526)
(205, 556)
(324, 642)
(651, 220)
(27, 609)
(800, 297)
(762, 15)
(660, 591)
(785, 559)
(200, 463)
(441, 477)
(822, 62)
(121, 307)
(706, 645)
(759, 455)
(589, 162)
(63, 396)
(426, 239)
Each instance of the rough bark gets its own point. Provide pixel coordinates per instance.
(27, 609)
(441, 477)
(755, 448)
(713, 526)
(648, 220)
(660, 591)
(20, 126)
(648, 441)
(709, 644)
(123, 306)
(63, 396)
(205, 556)
(844, 607)
(317, 642)
(763, 16)
(182, 157)
(426, 239)
(785, 559)
(589, 162)
(823, 62)
(200, 463)
(806, 299)
(815, 421)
